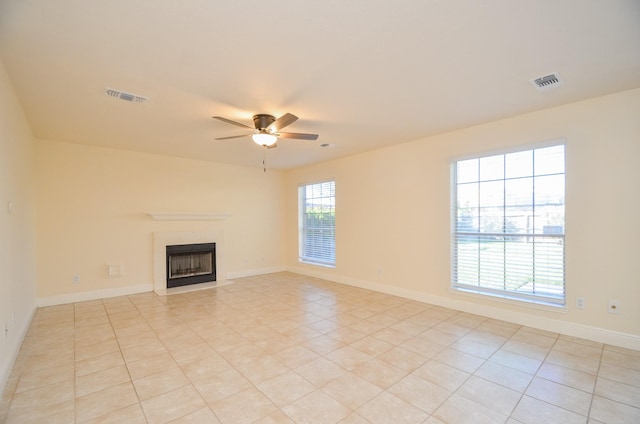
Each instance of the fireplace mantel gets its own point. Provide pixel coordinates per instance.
(188, 216)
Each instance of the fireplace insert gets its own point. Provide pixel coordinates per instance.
(191, 264)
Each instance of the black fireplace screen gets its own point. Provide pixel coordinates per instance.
(191, 264)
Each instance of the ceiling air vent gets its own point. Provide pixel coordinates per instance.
(125, 96)
(547, 82)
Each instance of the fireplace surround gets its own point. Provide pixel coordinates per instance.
(160, 267)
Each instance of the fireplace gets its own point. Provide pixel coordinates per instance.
(162, 240)
(190, 264)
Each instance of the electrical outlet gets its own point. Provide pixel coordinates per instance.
(580, 302)
(75, 279)
(6, 331)
(614, 306)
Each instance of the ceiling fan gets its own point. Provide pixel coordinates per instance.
(267, 129)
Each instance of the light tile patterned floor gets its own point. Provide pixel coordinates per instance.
(285, 348)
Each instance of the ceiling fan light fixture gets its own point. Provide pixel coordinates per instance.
(264, 139)
(268, 129)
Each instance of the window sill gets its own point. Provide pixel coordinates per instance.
(317, 264)
(527, 303)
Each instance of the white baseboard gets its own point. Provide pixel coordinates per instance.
(93, 295)
(7, 366)
(629, 341)
(254, 272)
(141, 288)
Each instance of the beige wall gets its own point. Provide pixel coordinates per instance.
(93, 204)
(393, 228)
(17, 228)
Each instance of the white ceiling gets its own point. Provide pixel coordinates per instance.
(361, 73)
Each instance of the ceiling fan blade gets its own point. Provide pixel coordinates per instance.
(233, 136)
(273, 146)
(281, 122)
(229, 121)
(298, 136)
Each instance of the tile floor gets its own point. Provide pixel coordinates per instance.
(285, 348)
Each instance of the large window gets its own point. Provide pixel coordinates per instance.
(508, 225)
(317, 223)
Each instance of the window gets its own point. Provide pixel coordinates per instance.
(508, 225)
(317, 223)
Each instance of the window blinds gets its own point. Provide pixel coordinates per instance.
(317, 223)
(508, 225)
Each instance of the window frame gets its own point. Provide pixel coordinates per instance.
(326, 254)
(542, 297)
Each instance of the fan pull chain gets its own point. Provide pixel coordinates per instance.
(264, 157)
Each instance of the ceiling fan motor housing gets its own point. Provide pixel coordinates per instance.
(262, 121)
